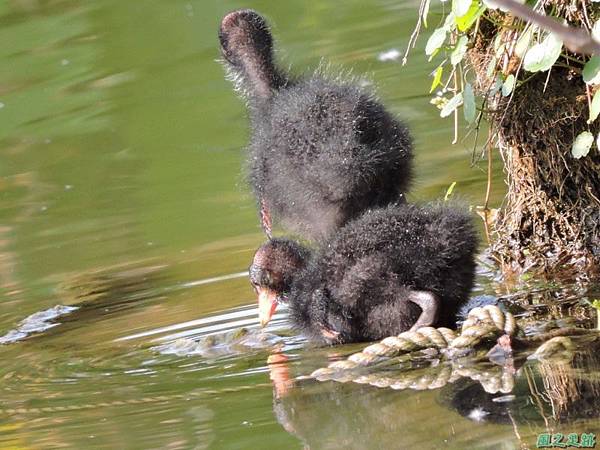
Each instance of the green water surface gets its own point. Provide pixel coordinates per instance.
(121, 186)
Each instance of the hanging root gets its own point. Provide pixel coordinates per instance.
(549, 224)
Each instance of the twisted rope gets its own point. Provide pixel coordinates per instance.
(493, 380)
(482, 323)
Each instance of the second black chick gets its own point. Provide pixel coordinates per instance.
(322, 151)
(390, 270)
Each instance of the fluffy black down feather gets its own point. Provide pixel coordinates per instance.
(358, 284)
(322, 151)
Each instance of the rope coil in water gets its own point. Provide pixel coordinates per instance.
(482, 323)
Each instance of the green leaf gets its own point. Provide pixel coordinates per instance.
(492, 5)
(465, 22)
(436, 40)
(469, 108)
(437, 50)
(438, 101)
(449, 191)
(425, 12)
(596, 31)
(583, 143)
(497, 85)
(449, 23)
(499, 45)
(594, 107)
(542, 56)
(534, 58)
(591, 70)
(454, 103)
(437, 77)
(459, 51)
(523, 42)
(460, 7)
(508, 85)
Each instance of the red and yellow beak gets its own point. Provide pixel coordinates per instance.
(267, 303)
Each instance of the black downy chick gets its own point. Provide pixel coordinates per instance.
(321, 151)
(390, 270)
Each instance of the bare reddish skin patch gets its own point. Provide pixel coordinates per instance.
(229, 20)
(260, 259)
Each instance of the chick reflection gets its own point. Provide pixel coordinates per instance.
(558, 395)
(336, 415)
(333, 415)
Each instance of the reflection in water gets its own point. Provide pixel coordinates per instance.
(112, 287)
(555, 396)
(338, 416)
(29, 191)
(95, 294)
(571, 389)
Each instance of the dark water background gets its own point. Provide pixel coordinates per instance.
(121, 192)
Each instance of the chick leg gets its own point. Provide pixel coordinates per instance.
(430, 306)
